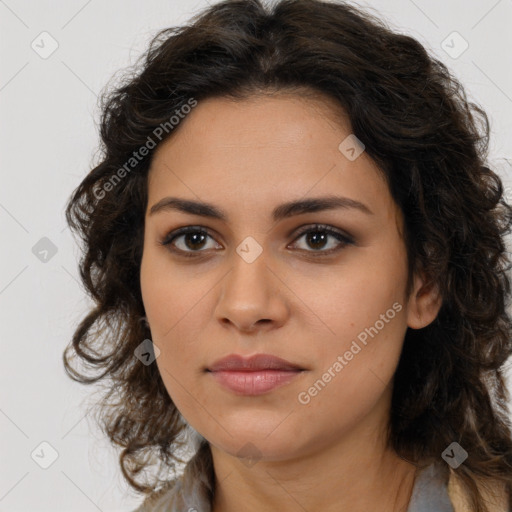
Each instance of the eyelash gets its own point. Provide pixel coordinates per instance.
(344, 239)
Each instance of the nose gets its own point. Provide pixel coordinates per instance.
(252, 297)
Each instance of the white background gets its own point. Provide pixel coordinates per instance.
(48, 137)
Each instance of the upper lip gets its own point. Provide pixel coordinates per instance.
(257, 362)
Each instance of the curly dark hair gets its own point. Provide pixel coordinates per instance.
(429, 142)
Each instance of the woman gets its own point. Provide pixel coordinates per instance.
(297, 254)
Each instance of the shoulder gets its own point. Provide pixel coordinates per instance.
(158, 501)
(176, 496)
(494, 493)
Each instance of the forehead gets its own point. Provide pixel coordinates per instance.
(250, 151)
(264, 121)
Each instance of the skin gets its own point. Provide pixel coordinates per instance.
(246, 158)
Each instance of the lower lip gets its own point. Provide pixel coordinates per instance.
(256, 382)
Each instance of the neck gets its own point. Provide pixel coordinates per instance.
(356, 474)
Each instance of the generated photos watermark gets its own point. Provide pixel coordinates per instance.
(138, 156)
(304, 397)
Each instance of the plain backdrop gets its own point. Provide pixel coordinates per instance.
(48, 137)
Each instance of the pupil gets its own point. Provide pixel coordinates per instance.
(315, 237)
(195, 238)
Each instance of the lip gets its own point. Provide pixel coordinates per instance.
(258, 362)
(251, 383)
(252, 376)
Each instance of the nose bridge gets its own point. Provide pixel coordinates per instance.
(249, 277)
(249, 291)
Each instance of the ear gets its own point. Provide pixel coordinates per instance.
(424, 303)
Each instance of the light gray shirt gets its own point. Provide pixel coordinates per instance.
(430, 492)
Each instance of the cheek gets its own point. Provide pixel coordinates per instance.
(170, 301)
(348, 300)
(363, 355)
(172, 295)
(363, 314)
(353, 373)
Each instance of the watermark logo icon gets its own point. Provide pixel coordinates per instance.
(44, 455)
(249, 249)
(249, 454)
(351, 147)
(44, 250)
(454, 455)
(147, 352)
(454, 45)
(44, 45)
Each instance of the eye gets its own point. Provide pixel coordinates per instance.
(194, 238)
(318, 235)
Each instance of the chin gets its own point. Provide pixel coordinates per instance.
(258, 446)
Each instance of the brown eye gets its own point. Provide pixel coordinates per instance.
(187, 240)
(317, 238)
(193, 240)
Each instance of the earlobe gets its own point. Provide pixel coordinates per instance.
(424, 303)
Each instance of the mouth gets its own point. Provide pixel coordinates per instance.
(255, 375)
(253, 383)
(258, 362)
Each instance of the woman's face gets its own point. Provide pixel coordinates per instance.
(264, 280)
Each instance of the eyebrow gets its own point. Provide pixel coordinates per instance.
(282, 211)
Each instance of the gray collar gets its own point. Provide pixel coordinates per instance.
(430, 492)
